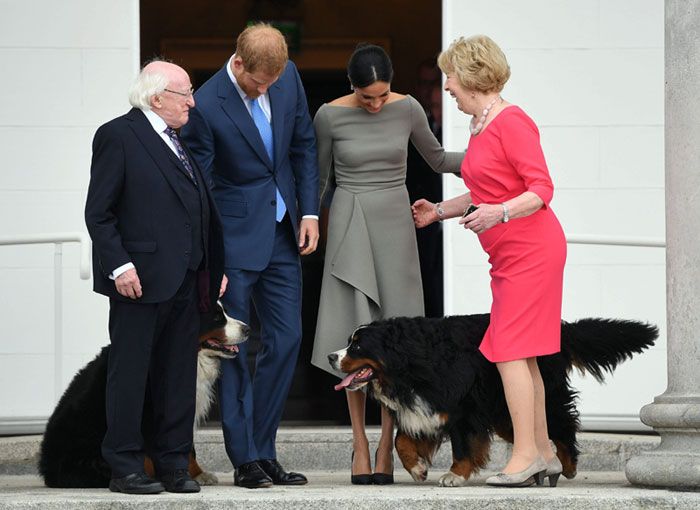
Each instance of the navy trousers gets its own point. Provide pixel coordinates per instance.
(251, 408)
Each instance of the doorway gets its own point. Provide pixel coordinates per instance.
(200, 37)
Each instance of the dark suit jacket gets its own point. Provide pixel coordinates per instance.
(135, 212)
(223, 137)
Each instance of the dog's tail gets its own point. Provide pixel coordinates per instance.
(597, 346)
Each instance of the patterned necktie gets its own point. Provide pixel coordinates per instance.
(265, 130)
(172, 134)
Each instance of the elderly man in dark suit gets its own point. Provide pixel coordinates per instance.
(158, 256)
(252, 135)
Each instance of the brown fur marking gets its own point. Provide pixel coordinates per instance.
(567, 463)
(479, 448)
(411, 451)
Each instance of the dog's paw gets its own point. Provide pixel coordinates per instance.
(419, 472)
(450, 479)
(206, 478)
(569, 473)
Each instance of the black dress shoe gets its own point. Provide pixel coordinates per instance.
(179, 481)
(279, 476)
(136, 483)
(251, 476)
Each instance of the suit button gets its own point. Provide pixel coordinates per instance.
(187, 225)
(273, 202)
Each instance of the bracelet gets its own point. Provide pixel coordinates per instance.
(506, 217)
(439, 211)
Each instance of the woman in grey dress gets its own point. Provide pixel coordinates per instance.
(371, 267)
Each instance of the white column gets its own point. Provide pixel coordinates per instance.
(675, 414)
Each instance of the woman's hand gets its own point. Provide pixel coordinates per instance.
(424, 213)
(485, 217)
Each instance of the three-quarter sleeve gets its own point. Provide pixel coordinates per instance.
(521, 144)
(428, 147)
(324, 146)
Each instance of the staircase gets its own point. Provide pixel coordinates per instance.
(323, 454)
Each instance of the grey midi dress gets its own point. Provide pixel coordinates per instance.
(371, 268)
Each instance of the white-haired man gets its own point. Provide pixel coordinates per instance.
(158, 256)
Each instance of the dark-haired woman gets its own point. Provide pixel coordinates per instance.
(371, 266)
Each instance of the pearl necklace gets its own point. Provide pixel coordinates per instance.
(476, 129)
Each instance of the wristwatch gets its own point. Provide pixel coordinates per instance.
(440, 211)
(505, 213)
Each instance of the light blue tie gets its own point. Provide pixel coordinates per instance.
(265, 130)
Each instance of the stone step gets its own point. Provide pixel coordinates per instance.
(332, 490)
(329, 448)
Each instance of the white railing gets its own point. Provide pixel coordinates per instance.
(644, 242)
(58, 240)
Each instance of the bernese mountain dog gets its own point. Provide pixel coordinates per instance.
(70, 455)
(432, 377)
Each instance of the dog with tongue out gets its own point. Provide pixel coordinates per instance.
(432, 377)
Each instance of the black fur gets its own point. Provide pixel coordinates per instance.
(438, 360)
(70, 451)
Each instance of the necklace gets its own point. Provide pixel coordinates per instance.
(476, 129)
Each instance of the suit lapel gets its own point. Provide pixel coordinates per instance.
(234, 108)
(157, 148)
(277, 108)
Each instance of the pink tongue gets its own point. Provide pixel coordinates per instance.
(345, 382)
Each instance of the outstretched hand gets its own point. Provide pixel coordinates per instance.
(424, 213)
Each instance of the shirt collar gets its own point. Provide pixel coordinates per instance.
(241, 93)
(155, 120)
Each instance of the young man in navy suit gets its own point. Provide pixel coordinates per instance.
(158, 256)
(252, 135)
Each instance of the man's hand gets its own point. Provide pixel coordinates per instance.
(308, 236)
(224, 283)
(128, 284)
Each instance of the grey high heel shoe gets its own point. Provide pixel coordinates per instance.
(534, 473)
(554, 469)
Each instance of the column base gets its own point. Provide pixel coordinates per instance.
(665, 468)
(675, 463)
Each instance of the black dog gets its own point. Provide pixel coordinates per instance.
(431, 375)
(70, 451)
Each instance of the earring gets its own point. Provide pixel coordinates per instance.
(352, 87)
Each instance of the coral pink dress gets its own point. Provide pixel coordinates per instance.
(526, 254)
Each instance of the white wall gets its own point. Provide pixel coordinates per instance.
(66, 70)
(591, 75)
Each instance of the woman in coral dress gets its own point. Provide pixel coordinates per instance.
(509, 184)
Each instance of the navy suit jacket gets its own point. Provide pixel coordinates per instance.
(223, 137)
(135, 212)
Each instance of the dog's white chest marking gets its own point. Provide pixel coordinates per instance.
(207, 373)
(416, 419)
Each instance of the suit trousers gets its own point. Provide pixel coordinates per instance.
(251, 409)
(153, 351)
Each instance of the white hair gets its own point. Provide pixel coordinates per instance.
(146, 85)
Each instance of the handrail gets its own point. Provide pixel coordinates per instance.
(643, 242)
(58, 239)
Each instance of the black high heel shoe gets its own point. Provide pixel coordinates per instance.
(383, 478)
(363, 479)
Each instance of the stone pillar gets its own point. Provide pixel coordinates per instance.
(675, 414)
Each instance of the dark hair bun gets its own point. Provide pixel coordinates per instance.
(369, 63)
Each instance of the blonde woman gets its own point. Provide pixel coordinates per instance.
(510, 188)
